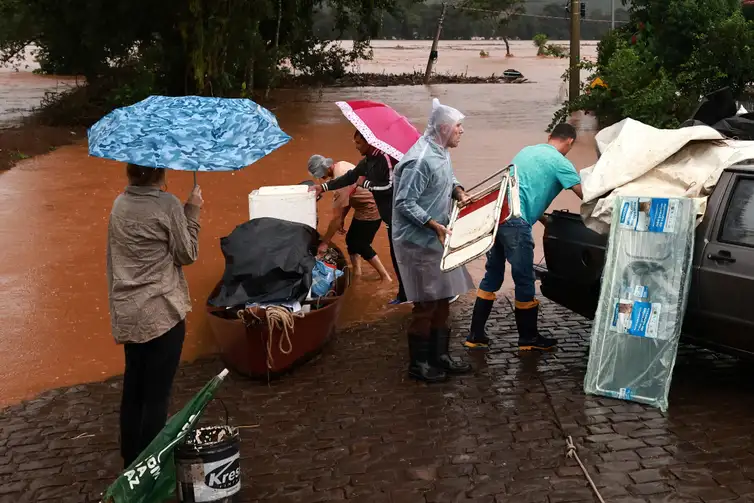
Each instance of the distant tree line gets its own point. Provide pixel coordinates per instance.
(409, 20)
(209, 47)
(129, 49)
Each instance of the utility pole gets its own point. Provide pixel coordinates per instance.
(575, 74)
(433, 51)
(612, 17)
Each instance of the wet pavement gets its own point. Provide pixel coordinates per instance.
(350, 426)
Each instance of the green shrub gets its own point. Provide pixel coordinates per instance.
(540, 41)
(556, 51)
(671, 53)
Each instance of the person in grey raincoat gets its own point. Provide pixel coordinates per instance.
(425, 188)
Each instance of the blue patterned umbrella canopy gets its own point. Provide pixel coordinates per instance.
(189, 133)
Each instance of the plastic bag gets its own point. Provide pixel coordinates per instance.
(323, 277)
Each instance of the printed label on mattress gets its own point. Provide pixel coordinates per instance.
(624, 394)
(659, 215)
(640, 319)
(638, 292)
(622, 316)
(644, 214)
(641, 292)
(629, 213)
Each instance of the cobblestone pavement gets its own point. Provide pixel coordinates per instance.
(350, 426)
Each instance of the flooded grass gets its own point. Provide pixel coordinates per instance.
(30, 139)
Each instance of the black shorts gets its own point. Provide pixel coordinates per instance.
(360, 236)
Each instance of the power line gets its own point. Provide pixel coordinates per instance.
(591, 20)
(538, 16)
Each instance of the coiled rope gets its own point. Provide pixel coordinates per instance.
(278, 318)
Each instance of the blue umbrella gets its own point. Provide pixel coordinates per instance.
(189, 133)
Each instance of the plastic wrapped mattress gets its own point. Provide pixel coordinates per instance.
(642, 301)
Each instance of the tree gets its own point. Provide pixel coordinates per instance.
(499, 13)
(410, 20)
(556, 29)
(540, 42)
(188, 46)
(656, 67)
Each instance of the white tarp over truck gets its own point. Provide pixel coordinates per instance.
(640, 160)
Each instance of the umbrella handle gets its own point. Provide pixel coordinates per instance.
(194, 178)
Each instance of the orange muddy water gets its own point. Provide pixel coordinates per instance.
(54, 328)
(21, 90)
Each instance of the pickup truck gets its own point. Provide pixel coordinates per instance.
(720, 313)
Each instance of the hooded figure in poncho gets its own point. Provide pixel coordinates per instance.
(425, 188)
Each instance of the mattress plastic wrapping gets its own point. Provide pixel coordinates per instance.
(643, 298)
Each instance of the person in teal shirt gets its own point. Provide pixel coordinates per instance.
(543, 172)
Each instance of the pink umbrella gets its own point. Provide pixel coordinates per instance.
(381, 126)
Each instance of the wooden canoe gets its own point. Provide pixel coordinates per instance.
(249, 349)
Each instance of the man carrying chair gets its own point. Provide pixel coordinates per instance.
(542, 171)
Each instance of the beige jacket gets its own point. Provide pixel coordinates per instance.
(150, 237)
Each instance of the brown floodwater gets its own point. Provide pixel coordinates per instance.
(53, 218)
(21, 90)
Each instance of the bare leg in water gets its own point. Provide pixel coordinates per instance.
(359, 241)
(376, 263)
(356, 264)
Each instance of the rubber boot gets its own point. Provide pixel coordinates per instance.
(421, 367)
(529, 338)
(477, 338)
(442, 359)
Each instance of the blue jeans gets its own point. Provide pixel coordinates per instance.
(514, 243)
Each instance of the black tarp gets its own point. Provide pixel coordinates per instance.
(267, 260)
(739, 127)
(718, 110)
(716, 106)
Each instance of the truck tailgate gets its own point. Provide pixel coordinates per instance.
(574, 258)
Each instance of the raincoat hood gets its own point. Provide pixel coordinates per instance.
(442, 122)
(430, 150)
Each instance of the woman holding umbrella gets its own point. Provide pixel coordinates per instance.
(382, 136)
(375, 168)
(150, 237)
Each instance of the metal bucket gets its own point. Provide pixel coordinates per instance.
(208, 465)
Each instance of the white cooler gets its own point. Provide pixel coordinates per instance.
(286, 202)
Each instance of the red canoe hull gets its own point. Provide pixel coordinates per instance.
(245, 349)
